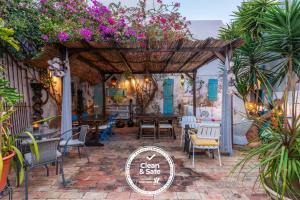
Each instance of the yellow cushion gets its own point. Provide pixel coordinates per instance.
(203, 142)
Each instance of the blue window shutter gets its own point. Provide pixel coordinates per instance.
(212, 89)
(168, 96)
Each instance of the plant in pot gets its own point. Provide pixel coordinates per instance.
(8, 98)
(120, 123)
(279, 154)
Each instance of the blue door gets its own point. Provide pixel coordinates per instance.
(212, 89)
(98, 100)
(168, 96)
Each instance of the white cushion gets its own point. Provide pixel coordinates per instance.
(75, 142)
(102, 127)
(147, 126)
(165, 126)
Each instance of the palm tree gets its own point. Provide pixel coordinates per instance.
(281, 39)
(249, 15)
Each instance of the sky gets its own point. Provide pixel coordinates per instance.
(200, 9)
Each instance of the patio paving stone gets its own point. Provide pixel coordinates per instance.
(103, 177)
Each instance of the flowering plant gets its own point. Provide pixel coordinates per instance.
(71, 20)
(162, 22)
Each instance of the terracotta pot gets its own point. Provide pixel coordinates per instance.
(6, 162)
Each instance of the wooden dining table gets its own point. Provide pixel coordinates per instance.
(157, 118)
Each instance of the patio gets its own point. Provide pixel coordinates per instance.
(103, 177)
(95, 96)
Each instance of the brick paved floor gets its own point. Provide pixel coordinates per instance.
(103, 177)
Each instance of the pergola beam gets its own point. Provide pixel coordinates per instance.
(188, 75)
(132, 50)
(125, 61)
(207, 41)
(187, 61)
(220, 56)
(89, 63)
(179, 45)
(98, 56)
(108, 77)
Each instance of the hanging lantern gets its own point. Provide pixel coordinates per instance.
(182, 80)
(113, 81)
(146, 78)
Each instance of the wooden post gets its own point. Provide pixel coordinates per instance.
(194, 94)
(103, 94)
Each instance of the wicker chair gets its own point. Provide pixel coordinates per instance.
(48, 149)
(79, 143)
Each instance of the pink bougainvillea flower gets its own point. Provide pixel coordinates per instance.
(141, 36)
(177, 26)
(177, 5)
(102, 27)
(159, 1)
(111, 21)
(63, 36)
(86, 33)
(163, 20)
(122, 22)
(45, 38)
(130, 32)
(43, 2)
(105, 9)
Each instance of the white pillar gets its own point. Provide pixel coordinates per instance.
(66, 118)
(226, 138)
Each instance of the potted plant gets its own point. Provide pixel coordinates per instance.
(275, 31)
(8, 98)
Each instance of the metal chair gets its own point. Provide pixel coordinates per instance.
(186, 120)
(146, 125)
(79, 143)
(165, 125)
(207, 138)
(49, 153)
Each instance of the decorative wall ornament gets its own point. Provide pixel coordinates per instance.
(37, 101)
(57, 67)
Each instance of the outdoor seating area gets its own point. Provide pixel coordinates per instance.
(103, 100)
(102, 177)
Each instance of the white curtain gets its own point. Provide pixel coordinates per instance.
(66, 120)
(226, 137)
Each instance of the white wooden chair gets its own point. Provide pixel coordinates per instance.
(165, 125)
(147, 125)
(207, 138)
(187, 120)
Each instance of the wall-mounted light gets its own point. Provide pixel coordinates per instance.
(113, 81)
(182, 80)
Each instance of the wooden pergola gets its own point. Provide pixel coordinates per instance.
(96, 61)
